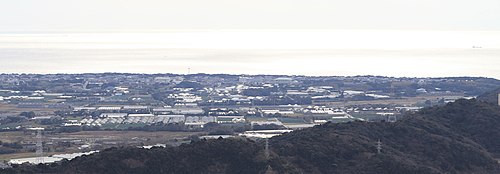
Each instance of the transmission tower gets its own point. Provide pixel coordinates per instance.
(498, 99)
(91, 142)
(379, 147)
(266, 152)
(39, 146)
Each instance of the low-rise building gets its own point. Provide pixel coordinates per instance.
(230, 119)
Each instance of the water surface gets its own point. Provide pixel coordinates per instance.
(389, 53)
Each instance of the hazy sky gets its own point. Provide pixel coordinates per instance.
(48, 15)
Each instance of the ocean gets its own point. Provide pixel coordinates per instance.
(288, 52)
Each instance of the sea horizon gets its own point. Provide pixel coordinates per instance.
(395, 53)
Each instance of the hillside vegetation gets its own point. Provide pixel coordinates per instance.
(457, 138)
(460, 137)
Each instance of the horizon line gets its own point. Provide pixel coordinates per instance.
(235, 74)
(237, 30)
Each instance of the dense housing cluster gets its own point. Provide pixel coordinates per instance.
(123, 101)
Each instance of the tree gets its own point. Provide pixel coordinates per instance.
(30, 114)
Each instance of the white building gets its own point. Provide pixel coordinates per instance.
(135, 107)
(113, 115)
(69, 124)
(276, 111)
(84, 108)
(200, 120)
(267, 122)
(230, 119)
(141, 115)
(377, 96)
(109, 108)
(49, 159)
(263, 133)
(421, 90)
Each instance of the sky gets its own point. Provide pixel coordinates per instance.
(128, 15)
(410, 38)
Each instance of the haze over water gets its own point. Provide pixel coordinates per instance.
(291, 52)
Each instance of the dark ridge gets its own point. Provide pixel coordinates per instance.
(456, 138)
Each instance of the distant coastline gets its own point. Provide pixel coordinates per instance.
(245, 75)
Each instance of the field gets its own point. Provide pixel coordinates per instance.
(155, 137)
(10, 109)
(106, 138)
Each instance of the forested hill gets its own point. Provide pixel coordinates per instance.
(459, 137)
